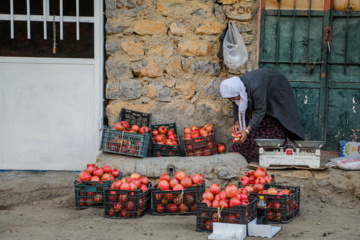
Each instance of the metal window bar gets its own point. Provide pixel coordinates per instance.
(45, 19)
(77, 21)
(277, 35)
(28, 18)
(61, 20)
(12, 19)
(293, 38)
(348, 8)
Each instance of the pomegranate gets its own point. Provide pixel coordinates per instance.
(135, 128)
(187, 137)
(178, 200)
(252, 179)
(170, 132)
(98, 198)
(163, 185)
(90, 169)
(105, 177)
(135, 176)
(155, 133)
(111, 177)
(117, 184)
(85, 176)
(209, 127)
(268, 179)
(208, 203)
(173, 183)
(187, 131)
(231, 191)
(162, 130)
(165, 177)
(208, 195)
(159, 196)
(112, 196)
(197, 178)
(172, 208)
(125, 213)
(126, 124)
(137, 183)
(215, 203)
(215, 189)
(144, 188)
(272, 191)
(258, 187)
(115, 173)
(95, 179)
(217, 197)
(244, 202)
(160, 208)
(133, 186)
(249, 188)
(203, 132)
(169, 196)
(221, 148)
(243, 190)
(125, 186)
(245, 181)
(144, 180)
(118, 207)
(98, 172)
(183, 208)
(179, 175)
(234, 202)
(186, 182)
(244, 196)
(260, 172)
(107, 169)
(123, 198)
(189, 199)
(178, 187)
(223, 204)
(222, 195)
(112, 212)
(260, 180)
(119, 126)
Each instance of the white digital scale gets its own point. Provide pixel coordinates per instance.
(306, 153)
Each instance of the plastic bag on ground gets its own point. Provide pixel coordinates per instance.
(234, 49)
(345, 163)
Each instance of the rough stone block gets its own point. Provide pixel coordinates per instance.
(206, 67)
(210, 28)
(242, 12)
(178, 29)
(181, 8)
(158, 91)
(187, 90)
(147, 69)
(303, 174)
(230, 164)
(212, 89)
(146, 27)
(116, 70)
(205, 105)
(219, 13)
(132, 48)
(161, 50)
(191, 48)
(112, 45)
(118, 8)
(174, 67)
(227, 1)
(124, 90)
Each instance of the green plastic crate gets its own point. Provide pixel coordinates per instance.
(162, 150)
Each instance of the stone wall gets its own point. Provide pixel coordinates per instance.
(162, 59)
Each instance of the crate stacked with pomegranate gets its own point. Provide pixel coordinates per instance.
(231, 205)
(283, 202)
(200, 141)
(165, 140)
(131, 135)
(178, 195)
(129, 197)
(90, 187)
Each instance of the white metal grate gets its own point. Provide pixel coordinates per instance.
(45, 18)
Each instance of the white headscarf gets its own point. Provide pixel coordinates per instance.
(233, 87)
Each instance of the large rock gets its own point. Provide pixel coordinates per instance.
(210, 28)
(187, 90)
(115, 26)
(181, 8)
(178, 29)
(212, 89)
(119, 8)
(117, 70)
(242, 12)
(124, 90)
(158, 91)
(146, 27)
(191, 48)
(219, 13)
(147, 69)
(214, 168)
(132, 48)
(112, 45)
(174, 67)
(163, 50)
(206, 67)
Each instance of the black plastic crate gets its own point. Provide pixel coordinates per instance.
(201, 146)
(162, 150)
(176, 202)
(281, 208)
(124, 143)
(134, 117)
(206, 216)
(91, 194)
(127, 204)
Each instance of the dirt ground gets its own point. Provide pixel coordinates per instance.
(41, 205)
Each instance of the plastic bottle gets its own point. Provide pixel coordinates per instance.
(262, 211)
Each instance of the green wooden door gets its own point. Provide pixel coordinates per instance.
(295, 43)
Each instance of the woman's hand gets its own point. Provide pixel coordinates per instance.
(243, 136)
(235, 128)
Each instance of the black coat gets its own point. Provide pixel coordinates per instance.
(269, 93)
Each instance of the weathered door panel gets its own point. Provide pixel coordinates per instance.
(343, 115)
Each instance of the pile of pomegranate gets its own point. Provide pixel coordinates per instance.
(183, 201)
(220, 206)
(199, 141)
(125, 126)
(122, 203)
(162, 135)
(99, 175)
(254, 181)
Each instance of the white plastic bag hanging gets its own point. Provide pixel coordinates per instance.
(235, 52)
